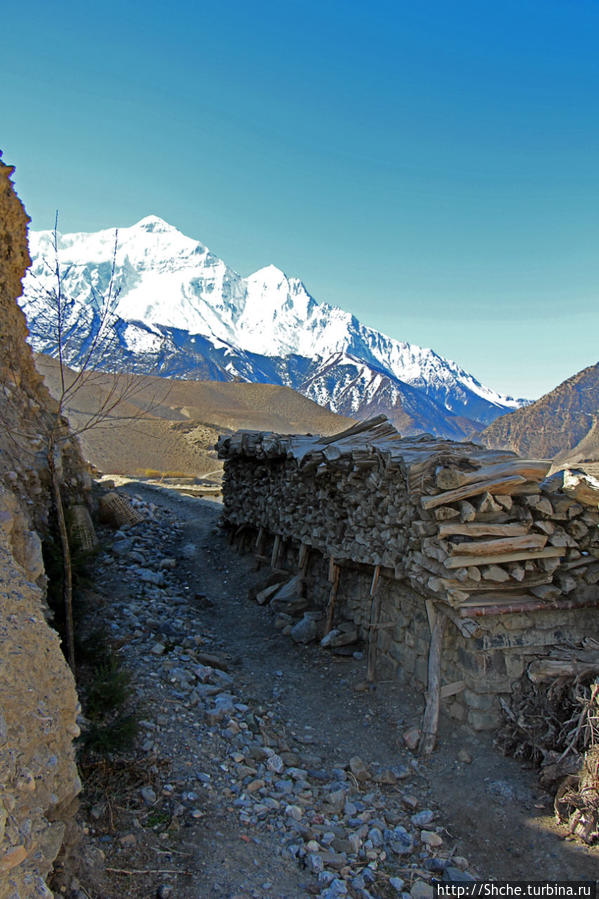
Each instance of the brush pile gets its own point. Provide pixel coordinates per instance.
(552, 719)
(481, 530)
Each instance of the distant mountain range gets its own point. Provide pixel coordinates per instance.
(183, 313)
(563, 424)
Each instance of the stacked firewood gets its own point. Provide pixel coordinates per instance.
(472, 527)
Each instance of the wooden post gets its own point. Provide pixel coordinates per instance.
(375, 609)
(238, 537)
(430, 720)
(276, 548)
(334, 575)
(303, 558)
(259, 548)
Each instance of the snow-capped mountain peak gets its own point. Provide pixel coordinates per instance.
(154, 223)
(267, 325)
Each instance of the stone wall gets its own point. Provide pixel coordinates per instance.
(477, 670)
(38, 702)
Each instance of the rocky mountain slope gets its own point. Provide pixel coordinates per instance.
(562, 424)
(183, 313)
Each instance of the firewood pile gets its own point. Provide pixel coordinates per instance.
(552, 719)
(483, 531)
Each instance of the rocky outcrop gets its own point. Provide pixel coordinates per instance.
(38, 709)
(38, 702)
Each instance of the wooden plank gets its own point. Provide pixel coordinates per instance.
(495, 599)
(529, 469)
(502, 485)
(354, 430)
(334, 580)
(478, 586)
(480, 529)
(550, 552)
(260, 541)
(303, 557)
(430, 721)
(276, 548)
(542, 670)
(333, 570)
(375, 610)
(431, 614)
(532, 604)
(499, 546)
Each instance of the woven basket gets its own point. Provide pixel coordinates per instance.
(81, 529)
(117, 510)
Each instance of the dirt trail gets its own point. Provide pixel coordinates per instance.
(492, 809)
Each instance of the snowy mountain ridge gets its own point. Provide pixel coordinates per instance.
(184, 313)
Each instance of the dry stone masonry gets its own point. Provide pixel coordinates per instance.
(458, 563)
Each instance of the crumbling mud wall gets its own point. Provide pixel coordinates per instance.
(405, 537)
(38, 702)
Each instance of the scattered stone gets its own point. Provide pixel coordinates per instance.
(306, 630)
(294, 811)
(430, 838)
(385, 777)
(375, 836)
(421, 819)
(151, 577)
(254, 786)
(501, 789)
(411, 737)
(336, 800)
(422, 890)
(148, 795)
(128, 840)
(359, 769)
(450, 873)
(314, 863)
(275, 763)
(401, 842)
(464, 756)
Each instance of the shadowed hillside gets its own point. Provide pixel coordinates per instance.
(563, 423)
(172, 426)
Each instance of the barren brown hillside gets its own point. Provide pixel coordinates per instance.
(172, 426)
(562, 424)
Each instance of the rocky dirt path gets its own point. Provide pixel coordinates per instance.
(261, 771)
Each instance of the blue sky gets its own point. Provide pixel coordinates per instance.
(432, 167)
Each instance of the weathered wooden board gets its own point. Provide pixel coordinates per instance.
(464, 561)
(500, 546)
(501, 485)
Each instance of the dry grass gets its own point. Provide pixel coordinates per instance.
(172, 426)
